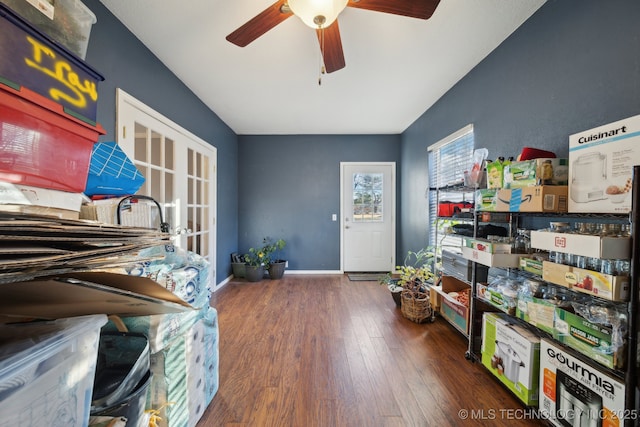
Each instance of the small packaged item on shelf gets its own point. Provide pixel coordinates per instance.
(529, 173)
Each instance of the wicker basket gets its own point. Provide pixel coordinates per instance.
(416, 306)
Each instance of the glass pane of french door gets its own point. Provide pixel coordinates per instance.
(154, 157)
(198, 187)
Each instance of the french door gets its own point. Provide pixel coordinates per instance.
(180, 174)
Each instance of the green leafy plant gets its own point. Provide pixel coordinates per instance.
(265, 255)
(256, 257)
(416, 271)
(273, 249)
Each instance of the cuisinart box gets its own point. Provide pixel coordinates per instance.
(574, 393)
(511, 353)
(601, 163)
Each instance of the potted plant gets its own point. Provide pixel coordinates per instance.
(274, 263)
(414, 274)
(255, 261)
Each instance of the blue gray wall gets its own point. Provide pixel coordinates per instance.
(289, 186)
(127, 64)
(574, 65)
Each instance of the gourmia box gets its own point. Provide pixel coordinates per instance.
(601, 164)
(573, 393)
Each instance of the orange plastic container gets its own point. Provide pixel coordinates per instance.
(40, 144)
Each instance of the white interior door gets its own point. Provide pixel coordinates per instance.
(368, 216)
(180, 174)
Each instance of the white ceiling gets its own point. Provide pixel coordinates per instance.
(396, 67)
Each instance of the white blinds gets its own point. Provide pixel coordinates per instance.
(448, 159)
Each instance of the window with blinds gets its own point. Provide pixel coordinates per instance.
(448, 159)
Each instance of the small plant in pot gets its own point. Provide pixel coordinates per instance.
(255, 261)
(414, 274)
(275, 264)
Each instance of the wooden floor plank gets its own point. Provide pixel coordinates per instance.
(319, 351)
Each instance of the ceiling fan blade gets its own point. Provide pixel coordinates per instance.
(331, 48)
(260, 24)
(421, 9)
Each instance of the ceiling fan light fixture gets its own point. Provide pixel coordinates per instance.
(317, 13)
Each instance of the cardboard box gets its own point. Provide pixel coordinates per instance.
(531, 265)
(601, 164)
(543, 198)
(529, 173)
(455, 313)
(511, 353)
(39, 201)
(80, 294)
(582, 244)
(485, 245)
(591, 339)
(496, 299)
(568, 387)
(607, 286)
(556, 273)
(536, 311)
(491, 260)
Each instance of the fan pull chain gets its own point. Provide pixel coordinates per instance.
(321, 59)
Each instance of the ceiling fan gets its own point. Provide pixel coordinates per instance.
(322, 16)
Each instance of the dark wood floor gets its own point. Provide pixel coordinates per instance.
(324, 351)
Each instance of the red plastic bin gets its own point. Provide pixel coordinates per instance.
(41, 145)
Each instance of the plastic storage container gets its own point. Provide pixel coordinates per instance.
(68, 22)
(47, 371)
(42, 146)
(30, 58)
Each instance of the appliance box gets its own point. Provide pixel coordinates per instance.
(601, 164)
(576, 393)
(47, 371)
(591, 339)
(511, 352)
(30, 58)
(491, 260)
(582, 244)
(454, 312)
(40, 145)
